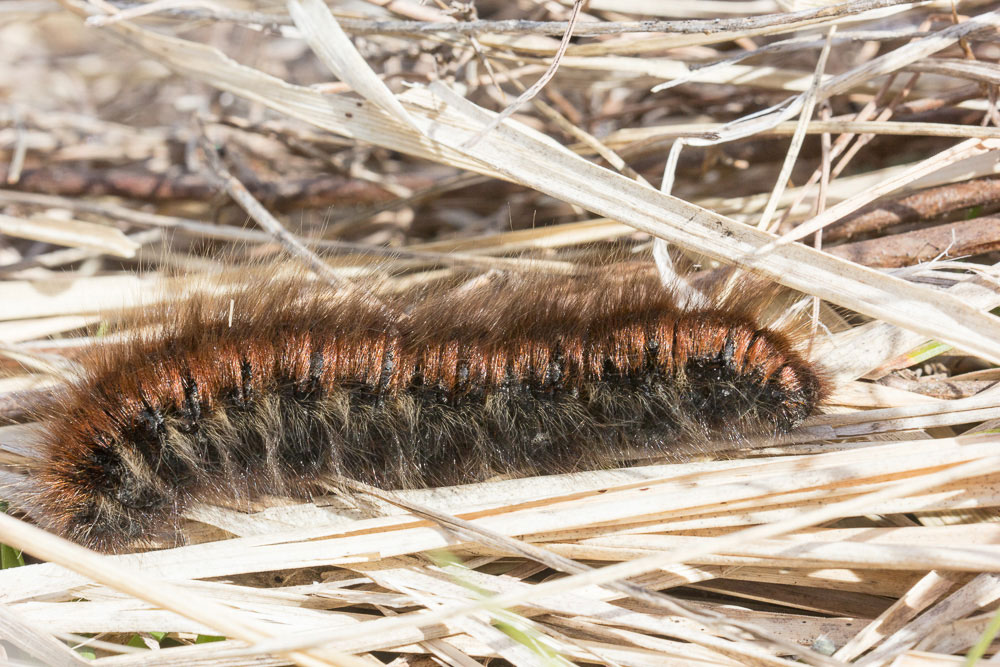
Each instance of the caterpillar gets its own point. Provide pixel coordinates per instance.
(271, 388)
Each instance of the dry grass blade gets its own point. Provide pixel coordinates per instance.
(800, 131)
(925, 592)
(72, 233)
(38, 644)
(332, 45)
(980, 592)
(228, 621)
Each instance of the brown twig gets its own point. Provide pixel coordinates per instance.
(550, 28)
(924, 205)
(141, 184)
(959, 239)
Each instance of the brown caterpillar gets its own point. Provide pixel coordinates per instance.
(268, 389)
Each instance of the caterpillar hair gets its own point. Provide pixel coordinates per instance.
(271, 387)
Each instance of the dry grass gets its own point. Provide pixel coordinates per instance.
(869, 536)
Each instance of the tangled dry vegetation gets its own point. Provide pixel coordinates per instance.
(847, 151)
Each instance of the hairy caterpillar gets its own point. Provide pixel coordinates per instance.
(269, 388)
